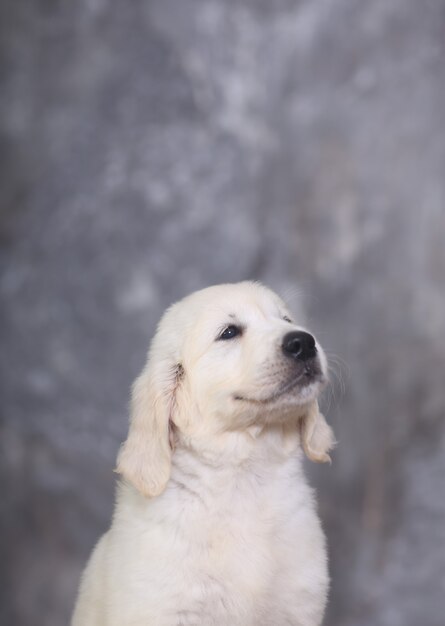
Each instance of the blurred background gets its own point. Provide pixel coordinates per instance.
(153, 147)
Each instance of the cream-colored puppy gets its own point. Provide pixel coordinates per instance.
(214, 522)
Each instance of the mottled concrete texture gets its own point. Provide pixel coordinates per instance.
(150, 148)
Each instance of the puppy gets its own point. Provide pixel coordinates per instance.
(214, 521)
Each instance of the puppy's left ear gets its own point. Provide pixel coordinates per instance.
(317, 437)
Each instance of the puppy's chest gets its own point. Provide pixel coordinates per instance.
(221, 561)
(237, 542)
(224, 537)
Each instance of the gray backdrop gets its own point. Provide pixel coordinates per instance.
(150, 148)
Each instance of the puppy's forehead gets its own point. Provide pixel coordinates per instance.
(237, 301)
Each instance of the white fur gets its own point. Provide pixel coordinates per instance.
(214, 521)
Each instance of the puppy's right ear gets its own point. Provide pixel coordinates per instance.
(317, 437)
(145, 457)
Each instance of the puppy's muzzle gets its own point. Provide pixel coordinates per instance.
(299, 345)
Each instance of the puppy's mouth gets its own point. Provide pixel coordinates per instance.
(311, 375)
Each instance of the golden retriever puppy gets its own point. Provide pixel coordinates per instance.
(215, 523)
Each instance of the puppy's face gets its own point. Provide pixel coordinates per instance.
(245, 358)
(223, 359)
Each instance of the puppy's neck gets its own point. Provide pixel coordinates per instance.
(250, 462)
(256, 444)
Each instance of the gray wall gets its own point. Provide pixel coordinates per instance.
(152, 148)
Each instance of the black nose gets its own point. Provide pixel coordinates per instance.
(299, 345)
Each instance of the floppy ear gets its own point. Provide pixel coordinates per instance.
(145, 457)
(317, 437)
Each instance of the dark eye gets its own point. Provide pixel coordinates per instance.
(287, 319)
(230, 332)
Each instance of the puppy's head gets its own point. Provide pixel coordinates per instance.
(223, 359)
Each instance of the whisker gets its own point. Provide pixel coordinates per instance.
(338, 378)
(339, 370)
(339, 361)
(330, 398)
